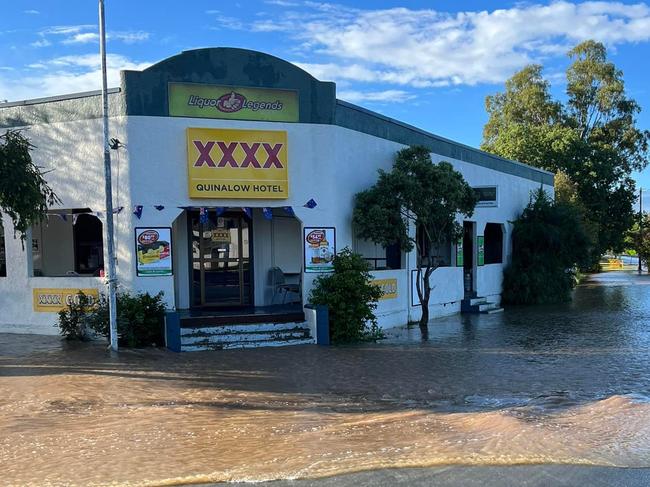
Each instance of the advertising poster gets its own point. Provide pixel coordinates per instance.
(231, 163)
(320, 249)
(480, 243)
(459, 253)
(232, 102)
(154, 251)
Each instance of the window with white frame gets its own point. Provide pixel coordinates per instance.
(487, 196)
(68, 243)
(379, 257)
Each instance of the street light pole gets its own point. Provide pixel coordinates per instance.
(109, 256)
(638, 252)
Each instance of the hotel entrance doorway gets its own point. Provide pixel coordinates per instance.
(221, 259)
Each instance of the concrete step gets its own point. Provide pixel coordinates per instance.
(242, 328)
(202, 346)
(297, 333)
(494, 310)
(479, 305)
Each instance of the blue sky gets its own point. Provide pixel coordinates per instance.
(430, 64)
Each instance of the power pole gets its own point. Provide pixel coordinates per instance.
(109, 256)
(638, 253)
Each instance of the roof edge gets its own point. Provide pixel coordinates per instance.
(437, 137)
(50, 99)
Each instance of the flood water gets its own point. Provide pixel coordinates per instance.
(559, 384)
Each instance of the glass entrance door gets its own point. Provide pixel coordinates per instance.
(221, 265)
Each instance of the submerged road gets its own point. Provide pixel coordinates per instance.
(563, 391)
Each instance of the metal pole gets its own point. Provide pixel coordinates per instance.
(638, 253)
(109, 256)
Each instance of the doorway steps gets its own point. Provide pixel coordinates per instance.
(223, 336)
(479, 305)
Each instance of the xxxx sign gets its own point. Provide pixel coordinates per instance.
(228, 163)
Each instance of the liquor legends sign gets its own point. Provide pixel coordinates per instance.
(232, 102)
(229, 163)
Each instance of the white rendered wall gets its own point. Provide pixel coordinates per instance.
(326, 163)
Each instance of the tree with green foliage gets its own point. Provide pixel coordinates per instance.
(415, 195)
(639, 241)
(351, 299)
(593, 138)
(549, 240)
(24, 193)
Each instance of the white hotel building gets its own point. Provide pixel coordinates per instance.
(230, 168)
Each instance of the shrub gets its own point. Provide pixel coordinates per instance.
(549, 241)
(73, 321)
(140, 319)
(351, 297)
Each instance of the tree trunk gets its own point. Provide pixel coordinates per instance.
(424, 295)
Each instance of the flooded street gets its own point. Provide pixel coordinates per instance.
(561, 384)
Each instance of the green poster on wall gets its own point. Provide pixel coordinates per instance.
(459, 253)
(480, 244)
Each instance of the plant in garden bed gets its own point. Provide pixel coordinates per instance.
(351, 297)
(73, 322)
(140, 319)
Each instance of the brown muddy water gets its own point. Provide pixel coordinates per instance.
(565, 384)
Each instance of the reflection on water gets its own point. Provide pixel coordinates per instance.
(560, 384)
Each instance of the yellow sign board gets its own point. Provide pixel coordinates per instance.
(232, 102)
(229, 163)
(55, 300)
(388, 288)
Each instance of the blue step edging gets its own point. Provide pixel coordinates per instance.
(173, 331)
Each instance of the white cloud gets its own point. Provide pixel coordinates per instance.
(66, 74)
(87, 33)
(81, 38)
(386, 96)
(41, 43)
(31, 12)
(422, 48)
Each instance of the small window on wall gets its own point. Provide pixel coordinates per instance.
(379, 258)
(487, 196)
(68, 243)
(493, 243)
(440, 254)
(3, 252)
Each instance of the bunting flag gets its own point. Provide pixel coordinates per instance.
(310, 204)
(268, 213)
(159, 207)
(74, 218)
(63, 216)
(118, 209)
(248, 212)
(99, 214)
(137, 211)
(220, 210)
(203, 215)
(289, 211)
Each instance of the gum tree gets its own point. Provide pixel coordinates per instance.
(24, 193)
(592, 138)
(420, 195)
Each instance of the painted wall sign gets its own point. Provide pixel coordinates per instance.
(154, 251)
(388, 288)
(480, 244)
(232, 102)
(228, 163)
(46, 300)
(320, 249)
(459, 253)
